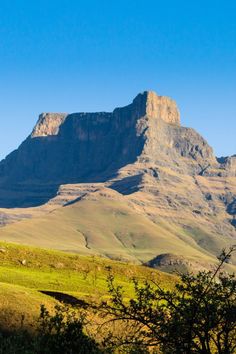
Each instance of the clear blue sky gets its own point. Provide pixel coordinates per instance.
(73, 55)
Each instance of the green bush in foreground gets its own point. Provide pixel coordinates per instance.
(199, 316)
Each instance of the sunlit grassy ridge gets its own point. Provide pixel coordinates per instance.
(25, 271)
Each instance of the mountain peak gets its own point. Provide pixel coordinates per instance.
(155, 106)
(147, 103)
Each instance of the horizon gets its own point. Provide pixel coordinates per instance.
(96, 56)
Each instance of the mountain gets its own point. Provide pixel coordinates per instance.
(94, 146)
(132, 184)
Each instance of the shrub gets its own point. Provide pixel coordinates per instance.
(199, 316)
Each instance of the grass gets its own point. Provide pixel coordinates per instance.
(25, 271)
(104, 226)
(20, 306)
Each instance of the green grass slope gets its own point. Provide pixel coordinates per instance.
(26, 271)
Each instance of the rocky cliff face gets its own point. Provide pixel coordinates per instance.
(79, 147)
(71, 148)
(66, 148)
(168, 172)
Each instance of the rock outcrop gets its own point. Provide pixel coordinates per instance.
(48, 124)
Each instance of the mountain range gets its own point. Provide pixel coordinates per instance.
(131, 184)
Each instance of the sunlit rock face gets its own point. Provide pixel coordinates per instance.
(48, 124)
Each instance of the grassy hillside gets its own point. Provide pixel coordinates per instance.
(26, 271)
(20, 306)
(110, 227)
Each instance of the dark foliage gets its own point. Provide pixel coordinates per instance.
(61, 333)
(199, 316)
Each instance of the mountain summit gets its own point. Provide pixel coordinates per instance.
(139, 155)
(147, 103)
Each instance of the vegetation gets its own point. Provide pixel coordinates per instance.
(199, 316)
(27, 274)
(60, 333)
(196, 314)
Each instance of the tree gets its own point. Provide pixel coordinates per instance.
(198, 316)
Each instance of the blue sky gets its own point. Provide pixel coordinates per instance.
(68, 56)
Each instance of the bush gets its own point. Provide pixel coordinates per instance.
(199, 316)
(61, 333)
